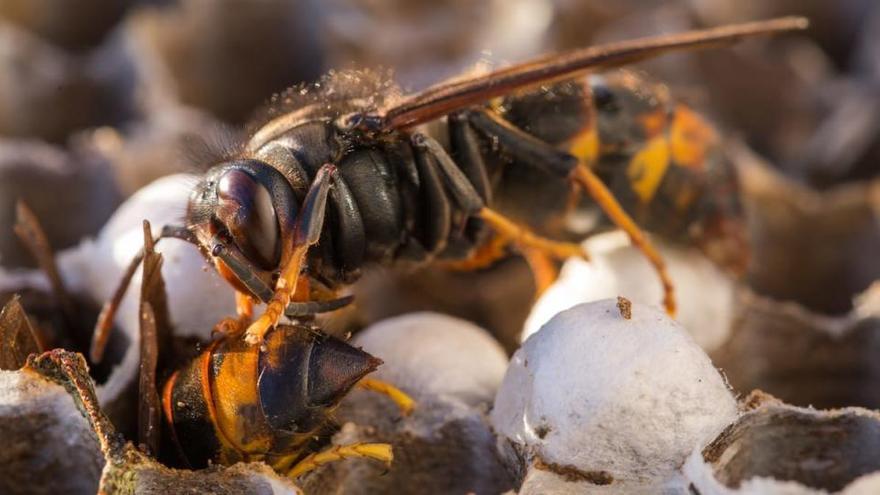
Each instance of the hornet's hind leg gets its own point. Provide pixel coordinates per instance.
(530, 149)
(544, 267)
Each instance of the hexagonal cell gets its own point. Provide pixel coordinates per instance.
(824, 450)
(815, 248)
(802, 357)
(45, 439)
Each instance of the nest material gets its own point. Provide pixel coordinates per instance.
(803, 357)
(819, 450)
(452, 368)
(45, 439)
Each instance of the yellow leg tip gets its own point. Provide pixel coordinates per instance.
(671, 307)
(254, 334)
(609, 204)
(381, 452)
(404, 402)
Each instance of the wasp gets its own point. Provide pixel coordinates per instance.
(240, 403)
(352, 174)
(233, 402)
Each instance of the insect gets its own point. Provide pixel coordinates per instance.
(349, 178)
(265, 403)
(231, 402)
(234, 402)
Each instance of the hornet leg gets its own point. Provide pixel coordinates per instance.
(244, 310)
(524, 238)
(244, 306)
(545, 270)
(494, 249)
(245, 273)
(584, 176)
(468, 198)
(543, 267)
(465, 144)
(532, 150)
(378, 451)
(306, 233)
(403, 401)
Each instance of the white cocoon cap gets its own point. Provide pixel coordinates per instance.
(431, 354)
(703, 292)
(452, 369)
(197, 297)
(626, 398)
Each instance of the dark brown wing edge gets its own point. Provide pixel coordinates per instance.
(447, 97)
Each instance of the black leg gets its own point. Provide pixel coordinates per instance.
(523, 145)
(468, 154)
(309, 308)
(461, 188)
(527, 148)
(468, 197)
(435, 224)
(465, 230)
(242, 268)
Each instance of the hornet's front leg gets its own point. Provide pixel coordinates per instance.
(244, 314)
(235, 262)
(306, 233)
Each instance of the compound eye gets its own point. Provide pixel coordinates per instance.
(246, 208)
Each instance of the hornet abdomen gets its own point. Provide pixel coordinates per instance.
(661, 159)
(236, 402)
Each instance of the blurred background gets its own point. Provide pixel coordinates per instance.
(99, 97)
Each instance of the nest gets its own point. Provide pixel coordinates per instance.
(768, 382)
